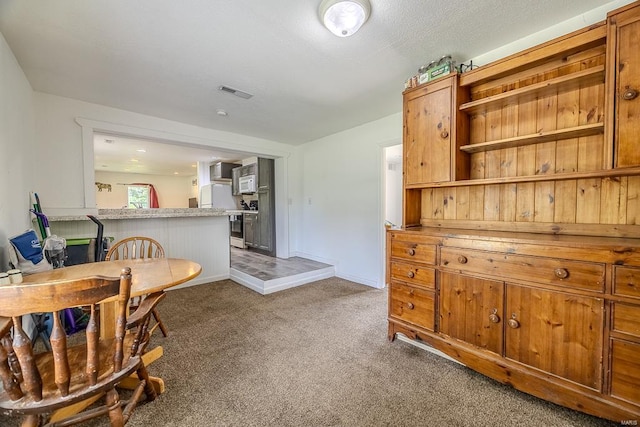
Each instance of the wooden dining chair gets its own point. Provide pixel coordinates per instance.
(83, 367)
(138, 247)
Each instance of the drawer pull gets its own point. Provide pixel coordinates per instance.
(493, 317)
(513, 323)
(411, 274)
(629, 94)
(561, 273)
(411, 252)
(462, 259)
(444, 134)
(410, 305)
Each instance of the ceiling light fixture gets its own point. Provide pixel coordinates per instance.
(344, 17)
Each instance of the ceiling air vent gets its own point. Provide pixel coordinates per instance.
(235, 92)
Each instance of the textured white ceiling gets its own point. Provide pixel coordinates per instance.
(166, 58)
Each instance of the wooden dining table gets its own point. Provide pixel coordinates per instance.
(147, 276)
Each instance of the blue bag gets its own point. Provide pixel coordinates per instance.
(25, 253)
(28, 245)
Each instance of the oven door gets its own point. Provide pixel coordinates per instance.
(236, 225)
(236, 237)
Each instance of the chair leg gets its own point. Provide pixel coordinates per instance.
(143, 375)
(115, 410)
(156, 316)
(31, 421)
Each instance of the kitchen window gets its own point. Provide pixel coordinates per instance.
(138, 196)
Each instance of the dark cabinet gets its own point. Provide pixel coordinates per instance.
(250, 224)
(235, 181)
(260, 233)
(266, 228)
(265, 173)
(222, 170)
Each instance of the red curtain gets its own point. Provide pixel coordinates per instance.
(153, 195)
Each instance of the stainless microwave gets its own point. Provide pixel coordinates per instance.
(247, 184)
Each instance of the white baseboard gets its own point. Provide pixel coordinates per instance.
(426, 347)
(201, 281)
(360, 280)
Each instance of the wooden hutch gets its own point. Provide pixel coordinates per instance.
(519, 254)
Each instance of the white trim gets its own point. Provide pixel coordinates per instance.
(382, 162)
(200, 281)
(425, 347)
(280, 284)
(360, 280)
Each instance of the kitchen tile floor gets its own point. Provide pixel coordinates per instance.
(267, 268)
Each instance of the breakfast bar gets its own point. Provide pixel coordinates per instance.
(201, 235)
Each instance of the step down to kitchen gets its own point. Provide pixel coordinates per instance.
(267, 275)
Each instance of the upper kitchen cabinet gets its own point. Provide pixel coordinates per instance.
(222, 170)
(430, 134)
(265, 173)
(235, 181)
(622, 43)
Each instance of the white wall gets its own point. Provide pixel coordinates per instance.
(342, 184)
(64, 138)
(17, 150)
(60, 141)
(340, 174)
(573, 24)
(173, 191)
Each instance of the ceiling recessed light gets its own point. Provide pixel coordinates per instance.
(134, 160)
(176, 173)
(221, 113)
(141, 150)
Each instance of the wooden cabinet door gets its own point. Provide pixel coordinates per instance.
(624, 38)
(556, 332)
(471, 310)
(427, 133)
(250, 232)
(265, 221)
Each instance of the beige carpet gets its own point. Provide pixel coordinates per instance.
(316, 355)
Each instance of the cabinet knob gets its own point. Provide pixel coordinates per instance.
(411, 252)
(444, 134)
(493, 317)
(561, 273)
(629, 94)
(411, 274)
(513, 322)
(410, 305)
(462, 259)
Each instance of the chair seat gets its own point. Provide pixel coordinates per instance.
(77, 354)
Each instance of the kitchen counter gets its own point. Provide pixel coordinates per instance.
(104, 214)
(197, 234)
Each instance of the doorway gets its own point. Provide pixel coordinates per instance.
(393, 185)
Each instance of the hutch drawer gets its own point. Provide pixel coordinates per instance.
(552, 271)
(413, 247)
(414, 274)
(626, 319)
(413, 305)
(625, 370)
(627, 282)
